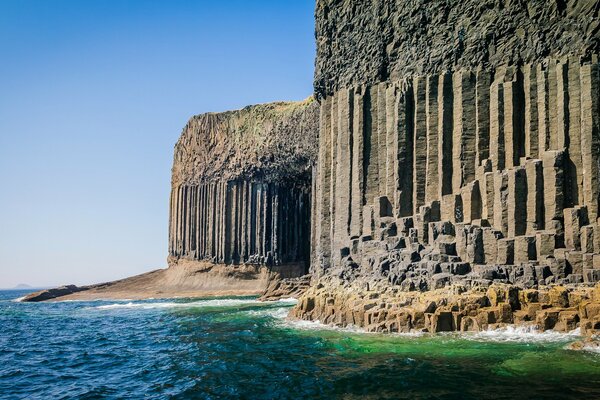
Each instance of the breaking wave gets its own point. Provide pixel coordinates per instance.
(192, 304)
(523, 334)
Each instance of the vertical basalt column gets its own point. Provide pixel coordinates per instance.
(282, 226)
(216, 221)
(530, 89)
(188, 220)
(553, 165)
(180, 221)
(497, 144)
(313, 221)
(432, 191)
(243, 219)
(482, 113)
(419, 143)
(371, 146)
(267, 222)
(193, 211)
(252, 218)
(574, 178)
(404, 190)
(488, 196)
(553, 105)
(344, 168)
(207, 213)
(358, 172)
(258, 220)
(464, 140)
(391, 127)
(562, 105)
(224, 223)
(590, 138)
(323, 248)
(333, 132)
(382, 137)
(264, 220)
(240, 221)
(275, 225)
(233, 222)
(212, 220)
(194, 222)
(514, 103)
(543, 108)
(175, 228)
(171, 219)
(535, 196)
(445, 103)
(202, 220)
(197, 217)
(501, 201)
(184, 220)
(517, 201)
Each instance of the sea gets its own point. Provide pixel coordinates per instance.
(240, 348)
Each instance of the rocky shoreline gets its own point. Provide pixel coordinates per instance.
(453, 308)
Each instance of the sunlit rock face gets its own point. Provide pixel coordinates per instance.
(459, 146)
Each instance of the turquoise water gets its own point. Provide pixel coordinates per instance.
(239, 348)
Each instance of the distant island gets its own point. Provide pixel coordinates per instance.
(23, 286)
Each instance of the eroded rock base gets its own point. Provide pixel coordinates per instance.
(453, 308)
(282, 288)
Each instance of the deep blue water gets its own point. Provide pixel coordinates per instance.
(242, 349)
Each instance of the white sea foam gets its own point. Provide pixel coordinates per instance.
(523, 334)
(319, 326)
(591, 348)
(277, 313)
(18, 299)
(193, 304)
(288, 300)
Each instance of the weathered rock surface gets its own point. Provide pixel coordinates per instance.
(275, 142)
(459, 149)
(366, 42)
(282, 288)
(452, 308)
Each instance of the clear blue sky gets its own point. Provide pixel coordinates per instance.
(93, 96)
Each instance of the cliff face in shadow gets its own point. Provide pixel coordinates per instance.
(365, 42)
(241, 184)
(459, 148)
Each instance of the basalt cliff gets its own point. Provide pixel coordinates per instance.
(241, 184)
(457, 182)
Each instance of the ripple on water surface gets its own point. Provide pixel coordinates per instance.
(242, 348)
